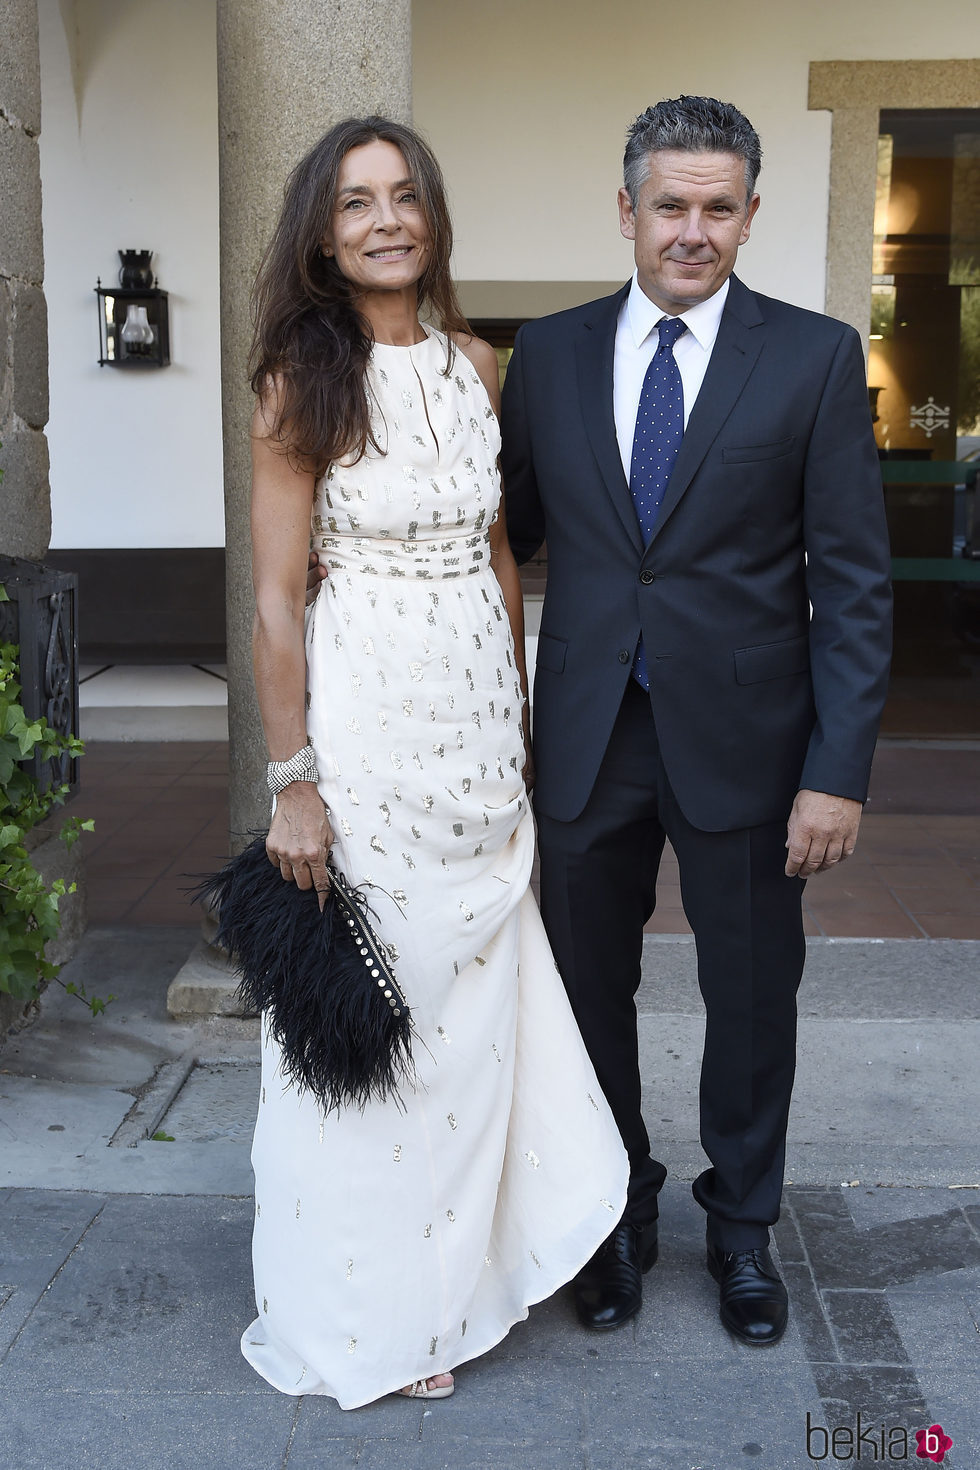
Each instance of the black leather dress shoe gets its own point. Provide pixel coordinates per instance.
(609, 1289)
(754, 1305)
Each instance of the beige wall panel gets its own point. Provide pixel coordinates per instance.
(527, 102)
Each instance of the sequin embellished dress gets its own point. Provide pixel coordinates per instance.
(398, 1242)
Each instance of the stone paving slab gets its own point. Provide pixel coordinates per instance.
(125, 1272)
(119, 1348)
(156, 1291)
(38, 1233)
(218, 1100)
(134, 1034)
(220, 1168)
(942, 1345)
(63, 1119)
(877, 1081)
(132, 1429)
(860, 1086)
(885, 1206)
(645, 1416)
(853, 979)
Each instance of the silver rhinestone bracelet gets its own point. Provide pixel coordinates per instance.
(299, 767)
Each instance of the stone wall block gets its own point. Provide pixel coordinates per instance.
(30, 355)
(6, 354)
(20, 67)
(21, 249)
(25, 503)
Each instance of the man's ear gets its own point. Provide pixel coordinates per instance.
(627, 224)
(749, 217)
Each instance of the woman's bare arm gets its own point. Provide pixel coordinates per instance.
(282, 497)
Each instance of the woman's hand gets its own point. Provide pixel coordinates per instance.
(315, 574)
(300, 838)
(528, 772)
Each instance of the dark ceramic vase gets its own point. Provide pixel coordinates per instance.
(136, 273)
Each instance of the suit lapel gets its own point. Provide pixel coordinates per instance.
(738, 344)
(595, 351)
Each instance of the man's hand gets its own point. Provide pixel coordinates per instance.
(821, 832)
(315, 574)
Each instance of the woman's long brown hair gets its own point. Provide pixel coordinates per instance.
(308, 333)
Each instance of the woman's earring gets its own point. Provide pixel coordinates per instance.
(326, 250)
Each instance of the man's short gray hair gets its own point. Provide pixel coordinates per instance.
(690, 125)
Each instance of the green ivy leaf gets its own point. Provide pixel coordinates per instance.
(29, 911)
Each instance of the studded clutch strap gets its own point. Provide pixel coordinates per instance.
(352, 906)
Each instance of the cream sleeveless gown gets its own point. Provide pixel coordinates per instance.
(398, 1242)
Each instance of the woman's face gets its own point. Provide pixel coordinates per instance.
(378, 233)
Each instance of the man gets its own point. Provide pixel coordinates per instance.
(700, 461)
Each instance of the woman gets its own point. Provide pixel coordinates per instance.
(395, 1243)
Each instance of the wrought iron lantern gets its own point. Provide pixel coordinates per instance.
(40, 617)
(134, 319)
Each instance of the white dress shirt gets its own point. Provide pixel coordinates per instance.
(636, 342)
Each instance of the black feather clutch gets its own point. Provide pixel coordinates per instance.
(324, 980)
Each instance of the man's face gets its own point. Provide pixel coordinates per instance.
(691, 216)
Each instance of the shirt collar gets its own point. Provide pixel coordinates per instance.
(702, 321)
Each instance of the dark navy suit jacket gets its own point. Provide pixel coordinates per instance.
(774, 504)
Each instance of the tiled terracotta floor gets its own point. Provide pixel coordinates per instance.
(161, 814)
(916, 871)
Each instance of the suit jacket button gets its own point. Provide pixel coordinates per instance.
(624, 655)
(646, 577)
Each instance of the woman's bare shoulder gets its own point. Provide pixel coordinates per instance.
(270, 401)
(484, 359)
(480, 353)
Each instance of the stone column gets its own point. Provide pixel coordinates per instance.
(286, 73)
(25, 497)
(25, 501)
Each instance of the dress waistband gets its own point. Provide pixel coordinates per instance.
(370, 556)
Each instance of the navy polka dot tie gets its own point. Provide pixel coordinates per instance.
(656, 440)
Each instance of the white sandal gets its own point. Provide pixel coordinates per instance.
(420, 1389)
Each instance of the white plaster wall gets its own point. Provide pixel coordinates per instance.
(527, 102)
(129, 157)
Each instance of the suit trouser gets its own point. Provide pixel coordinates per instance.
(598, 887)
